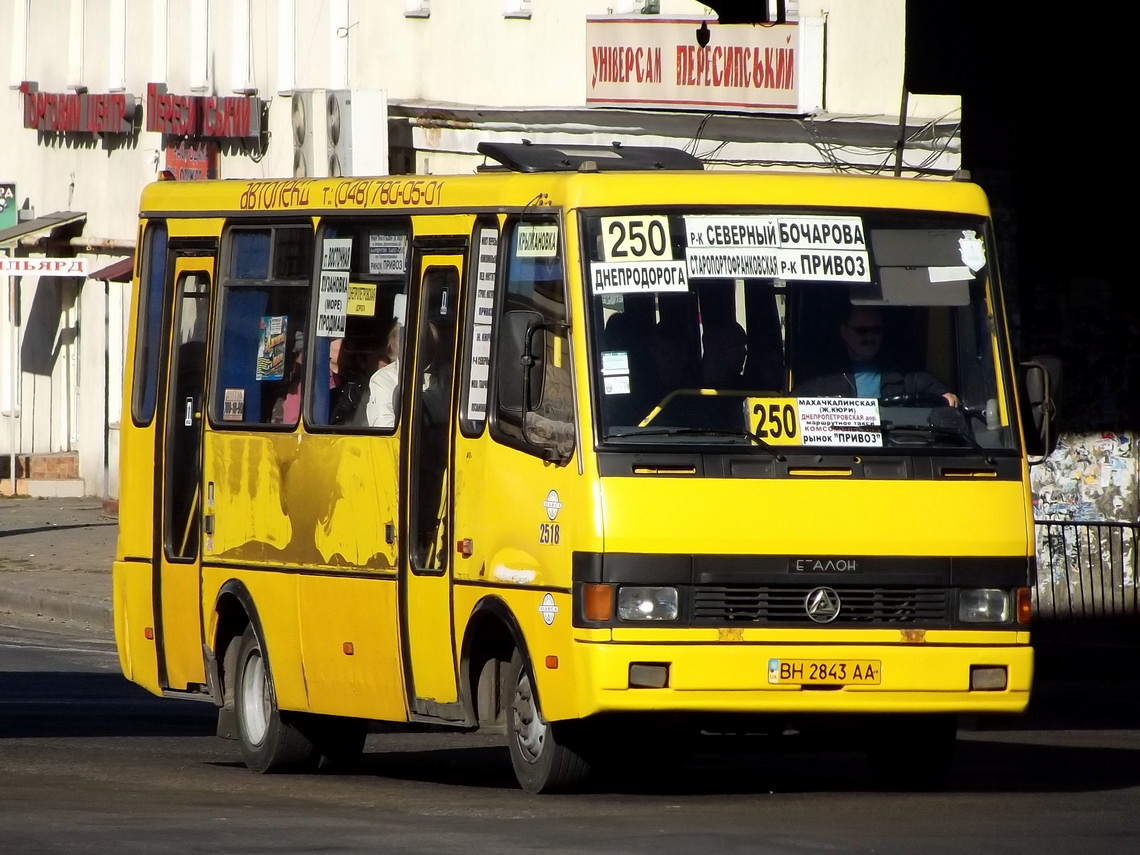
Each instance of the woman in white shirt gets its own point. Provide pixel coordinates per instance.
(384, 386)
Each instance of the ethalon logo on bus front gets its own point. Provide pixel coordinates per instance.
(823, 565)
(822, 605)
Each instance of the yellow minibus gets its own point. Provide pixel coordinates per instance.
(590, 442)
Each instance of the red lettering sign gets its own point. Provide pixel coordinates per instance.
(746, 68)
(78, 112)
(201, 115)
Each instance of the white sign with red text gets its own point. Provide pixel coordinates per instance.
(43, 266)
(658, 62)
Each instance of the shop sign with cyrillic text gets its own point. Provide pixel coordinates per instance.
(658, 62)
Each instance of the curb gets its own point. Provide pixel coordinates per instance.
(96, 615)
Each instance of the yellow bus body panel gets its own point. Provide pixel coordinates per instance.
(351, 646)
(283, 502)
(312, 501)
(275, 597)
(816, 517)
(133, 604)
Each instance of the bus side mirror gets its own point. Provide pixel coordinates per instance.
(1041, 387)
(520, 371)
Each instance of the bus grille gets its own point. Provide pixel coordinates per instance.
(771, 604)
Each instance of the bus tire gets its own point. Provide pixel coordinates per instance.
(543, 753)
(269, 741)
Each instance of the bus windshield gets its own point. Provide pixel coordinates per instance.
(827, 330)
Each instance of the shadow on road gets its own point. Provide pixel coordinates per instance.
(1082, 733)
(14, 532)
(995, 765)
(39, 704)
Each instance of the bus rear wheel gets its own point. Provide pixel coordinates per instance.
(544, 754)
(269, 741)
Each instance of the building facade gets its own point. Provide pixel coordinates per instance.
(104, 95)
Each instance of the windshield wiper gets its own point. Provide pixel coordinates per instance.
(688, 431)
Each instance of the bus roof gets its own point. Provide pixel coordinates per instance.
(508, 190)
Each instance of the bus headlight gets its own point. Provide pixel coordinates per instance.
(646, 603)
(983, 605)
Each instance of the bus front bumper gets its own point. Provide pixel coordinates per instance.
(803, 678)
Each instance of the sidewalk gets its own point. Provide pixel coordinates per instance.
(55, 560)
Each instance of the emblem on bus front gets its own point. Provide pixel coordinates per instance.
(552, 505)
(548, 609)
(822, 605)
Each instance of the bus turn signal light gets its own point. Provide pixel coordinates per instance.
(598, 602)
(1024, 605)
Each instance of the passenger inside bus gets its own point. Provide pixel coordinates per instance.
(349, 373)
(866, 373)
(287, 408)
(725, 352)
(722, 369)
(383, 403)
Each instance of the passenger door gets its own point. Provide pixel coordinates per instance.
(178, 467)
(426, 565)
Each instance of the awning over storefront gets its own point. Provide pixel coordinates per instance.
(40, 224)
(117, 271)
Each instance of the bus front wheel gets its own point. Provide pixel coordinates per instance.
(543, 753)
(269, 742)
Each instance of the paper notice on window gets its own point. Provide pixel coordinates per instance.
(362, 298)
(387, 254)
(479, 373)
(332, 303)
(839, 421)
(336, 254)
(271, 348)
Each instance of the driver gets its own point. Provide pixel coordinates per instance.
(866, 376)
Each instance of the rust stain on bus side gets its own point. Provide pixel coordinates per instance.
(316, 502)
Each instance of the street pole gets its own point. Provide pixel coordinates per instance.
(13, 302)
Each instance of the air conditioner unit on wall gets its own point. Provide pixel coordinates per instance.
(356, 132)
(309, 128)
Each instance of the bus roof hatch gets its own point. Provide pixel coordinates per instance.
(532, 157)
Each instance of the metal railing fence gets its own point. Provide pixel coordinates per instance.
(1086, 571)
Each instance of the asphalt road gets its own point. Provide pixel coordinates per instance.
(91, 763)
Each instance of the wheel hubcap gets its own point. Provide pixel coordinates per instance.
(530, 729)
(255, 699)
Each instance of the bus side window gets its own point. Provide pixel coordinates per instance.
(263, 326)
(152, 281)
(348, 356)
(534, 297)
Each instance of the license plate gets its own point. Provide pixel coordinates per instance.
(825, 672)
